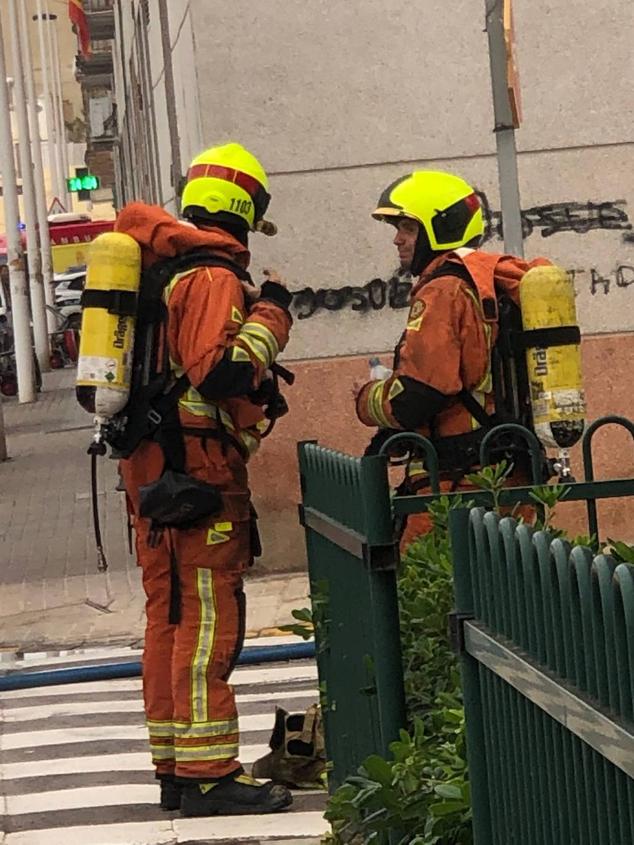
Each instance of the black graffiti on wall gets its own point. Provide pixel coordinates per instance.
(554, 218)
(395, 292)
(547, 220)
(621, 277)
(373, 296)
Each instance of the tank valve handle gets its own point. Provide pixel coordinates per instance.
(562, 467)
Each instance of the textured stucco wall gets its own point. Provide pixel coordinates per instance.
(339, 99)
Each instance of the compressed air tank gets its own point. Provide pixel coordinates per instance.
(549, 316)
(109, 300)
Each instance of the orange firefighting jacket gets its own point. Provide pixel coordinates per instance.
(446, 348)
(221, 342)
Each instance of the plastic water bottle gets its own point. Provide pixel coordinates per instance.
(377, 370)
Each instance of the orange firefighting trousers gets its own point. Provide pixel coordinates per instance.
(189, 704)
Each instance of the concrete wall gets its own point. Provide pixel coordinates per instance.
(339, 106)
(338, 99)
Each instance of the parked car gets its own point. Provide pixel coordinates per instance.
(68, 289)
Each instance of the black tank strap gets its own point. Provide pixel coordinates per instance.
(120, 302)
(546, 338)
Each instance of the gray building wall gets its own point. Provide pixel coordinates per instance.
(340, 98)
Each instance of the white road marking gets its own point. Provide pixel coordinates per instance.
(117, 766)
(130, 762)
(298, 825)
(132, 833)
(79, 797)
(248, 827)
(123, 684)
(72, 708)
(62, 736)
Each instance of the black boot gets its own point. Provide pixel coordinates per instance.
(237, 796)
(170, 793)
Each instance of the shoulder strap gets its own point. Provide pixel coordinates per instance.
(206, 258)
(452, 268)
(160, 274)
(466, 399)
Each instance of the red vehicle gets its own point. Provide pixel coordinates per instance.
(71, 235)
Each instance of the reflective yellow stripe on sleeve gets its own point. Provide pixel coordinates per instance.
(375, 404)
(261, 341)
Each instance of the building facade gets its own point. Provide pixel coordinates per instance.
(339, 99)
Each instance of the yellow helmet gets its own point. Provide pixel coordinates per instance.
(227, 182)
(445, 205)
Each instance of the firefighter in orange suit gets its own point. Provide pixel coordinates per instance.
(224, 335)
(441, 385)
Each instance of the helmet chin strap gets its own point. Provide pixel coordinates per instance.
(423, 253)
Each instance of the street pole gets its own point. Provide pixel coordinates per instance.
(40, 188)
(36, 284)
(51, 142)
(3, 438)
(504, 130)
(55, 109)
(60, 106)
(15, 254)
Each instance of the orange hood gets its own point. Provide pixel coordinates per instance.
(162, 236)
(492, 273)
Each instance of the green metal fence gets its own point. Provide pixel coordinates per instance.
(548, 680)
(353, 559)
(547, 641)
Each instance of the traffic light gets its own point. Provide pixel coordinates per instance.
(82, 183)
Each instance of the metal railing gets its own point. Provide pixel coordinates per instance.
(352, 564)
(547, 635)
(547, 641)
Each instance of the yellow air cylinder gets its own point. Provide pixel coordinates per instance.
(547, 297)
(104, 367)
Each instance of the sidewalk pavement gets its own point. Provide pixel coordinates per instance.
(51, 593)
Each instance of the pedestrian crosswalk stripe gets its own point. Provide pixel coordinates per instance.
(281, 826)
(25, 714)
(72, 799)
(62, 736)
(137, 761)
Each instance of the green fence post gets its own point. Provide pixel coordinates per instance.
(381, 562)
(472, 693)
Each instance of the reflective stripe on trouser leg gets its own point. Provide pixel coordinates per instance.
(206, 743)
(205, 645)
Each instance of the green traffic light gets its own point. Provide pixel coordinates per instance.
(82, 183)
